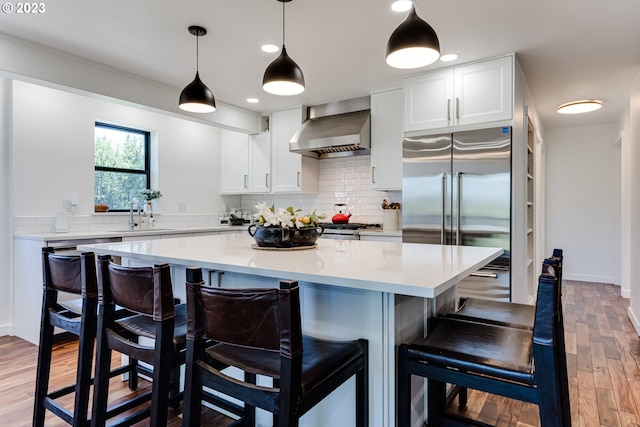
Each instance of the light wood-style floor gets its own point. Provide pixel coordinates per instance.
(603, 358)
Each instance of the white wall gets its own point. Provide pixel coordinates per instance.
(633, 266)
(6, 255)
(32, 62)
(53, 159)
(580, 200)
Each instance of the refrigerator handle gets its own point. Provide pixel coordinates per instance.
(459, 206)
(443, 206)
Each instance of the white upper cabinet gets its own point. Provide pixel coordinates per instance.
(468, 94)
(292, 172)
(386, 140)
(260, 163)
(245, 162)
(234, 162)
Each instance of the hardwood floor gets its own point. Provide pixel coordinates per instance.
(603, 358)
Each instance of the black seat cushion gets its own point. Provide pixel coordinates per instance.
(497, 312)
(145, 326)
(496, 351)
(320, 359)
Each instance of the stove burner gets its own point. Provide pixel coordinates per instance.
(350, 226)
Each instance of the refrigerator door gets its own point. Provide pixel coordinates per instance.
(481, 205)
(426, 189)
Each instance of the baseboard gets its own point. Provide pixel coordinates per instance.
(625, 293)
(7, 329)
(634, 320)
(587, 278)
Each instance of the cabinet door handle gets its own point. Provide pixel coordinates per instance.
(298, 179)
(246, 184)
(448, 108)
(266, 180)
(457, 108)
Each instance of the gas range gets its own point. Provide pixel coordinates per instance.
(349, 231)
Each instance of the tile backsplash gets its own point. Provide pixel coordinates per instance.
(342, 180)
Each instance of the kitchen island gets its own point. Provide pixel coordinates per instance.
(381, 291)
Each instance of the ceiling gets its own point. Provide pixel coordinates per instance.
(568, 49)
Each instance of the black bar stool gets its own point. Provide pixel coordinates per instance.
(147, 292)
(511, 362)
(259, 332)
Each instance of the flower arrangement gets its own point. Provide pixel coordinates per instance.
(149, 194)
(268, 216)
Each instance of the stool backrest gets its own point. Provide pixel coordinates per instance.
(75, 274)
(546, 308)
(266, 319)
(145, 290)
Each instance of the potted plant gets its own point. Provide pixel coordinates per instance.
(148, 195)
(283, 228)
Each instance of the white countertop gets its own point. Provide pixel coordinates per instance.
(401, 268)
(97, 234)
(75, 235)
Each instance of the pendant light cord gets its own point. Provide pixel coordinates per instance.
(197, 52)
(283, 23)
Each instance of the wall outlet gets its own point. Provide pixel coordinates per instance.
(182, 206)
(66, 204)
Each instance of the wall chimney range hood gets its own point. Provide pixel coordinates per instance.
(334, 130)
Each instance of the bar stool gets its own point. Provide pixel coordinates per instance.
(259, 332)
(75, 274)
(146, 291)
(511, 362)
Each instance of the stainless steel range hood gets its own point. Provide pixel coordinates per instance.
(335, 130)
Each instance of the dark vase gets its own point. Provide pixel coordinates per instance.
(306, 236)
(270, 237)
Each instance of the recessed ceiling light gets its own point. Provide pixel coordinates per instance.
(578, 107)
(449, 57)
(270, 48)
(253, 100)
(401, 5)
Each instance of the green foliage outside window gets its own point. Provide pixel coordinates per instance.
(121, 165)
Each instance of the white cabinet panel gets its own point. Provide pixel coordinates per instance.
(470, 94)
(427, 100)
(484, 91)
(234, 162)
(292, 172)
(386, 140)
(260, 163)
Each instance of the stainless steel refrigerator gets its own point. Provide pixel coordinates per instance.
(456, 190)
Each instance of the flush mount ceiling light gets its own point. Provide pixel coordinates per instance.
(283, 76)
(197, 97)
(413, 44)
(578, 107)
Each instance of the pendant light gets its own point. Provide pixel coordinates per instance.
(197, 97)
(283, 76)
(413, 44)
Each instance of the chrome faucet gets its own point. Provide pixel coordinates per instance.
(132, 223)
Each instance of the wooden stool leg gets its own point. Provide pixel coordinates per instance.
(43, 371)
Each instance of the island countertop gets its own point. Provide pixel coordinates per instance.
(418, 270)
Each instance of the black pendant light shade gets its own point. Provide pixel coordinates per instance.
(197, 97)
(283, 76)
(413, 44)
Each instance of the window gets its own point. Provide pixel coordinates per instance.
(121, 165)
